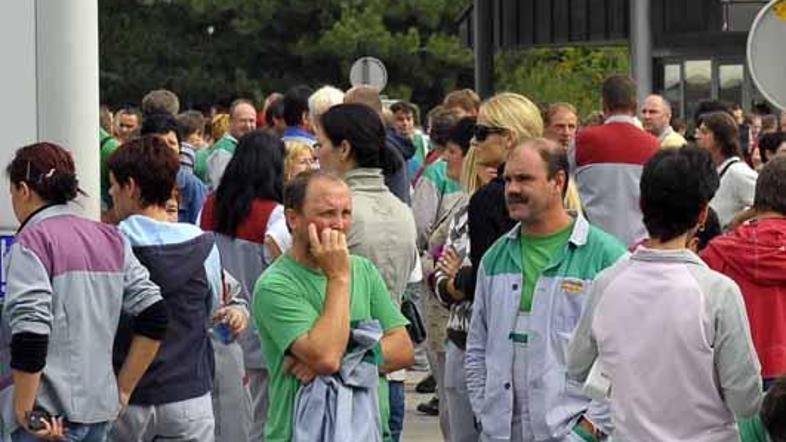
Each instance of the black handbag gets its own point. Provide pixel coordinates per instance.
(415, 328)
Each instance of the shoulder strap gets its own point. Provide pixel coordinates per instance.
(726, 167)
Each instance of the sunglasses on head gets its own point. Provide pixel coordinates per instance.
(482, 132)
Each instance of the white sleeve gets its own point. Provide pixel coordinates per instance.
(745, 185)
(277, 229)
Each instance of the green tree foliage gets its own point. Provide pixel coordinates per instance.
(571, 74)
(211, 51)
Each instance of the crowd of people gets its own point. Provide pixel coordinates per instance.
(270, 273)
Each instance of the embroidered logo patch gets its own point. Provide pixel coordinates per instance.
(574, 286)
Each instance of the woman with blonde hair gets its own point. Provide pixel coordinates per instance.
(299, 158)
(219, 125)
(504, 121)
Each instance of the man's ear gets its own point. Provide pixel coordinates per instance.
(561, 180)
(703, 214)
(132, 188)
(305, 121)
(290, 215)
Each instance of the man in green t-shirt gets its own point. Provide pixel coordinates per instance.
(305, 300)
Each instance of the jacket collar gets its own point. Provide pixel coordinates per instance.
(297, 131)
(44, 212)
(676, 256)
(668, 130)
(365, 178)
(578, 236)
(621, 118)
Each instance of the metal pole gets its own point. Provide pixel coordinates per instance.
(484, 47)
(365, 72)
(641, 47)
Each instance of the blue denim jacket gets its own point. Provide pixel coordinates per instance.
(344, 406)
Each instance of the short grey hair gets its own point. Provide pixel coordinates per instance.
(323, 99)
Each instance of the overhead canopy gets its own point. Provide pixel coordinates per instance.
(675, 23)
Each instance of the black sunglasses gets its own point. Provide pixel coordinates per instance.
(482, 132)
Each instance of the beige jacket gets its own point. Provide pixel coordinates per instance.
(383, 229)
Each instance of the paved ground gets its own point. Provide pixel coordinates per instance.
(417, 426)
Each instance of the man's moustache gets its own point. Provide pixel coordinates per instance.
(515, 199)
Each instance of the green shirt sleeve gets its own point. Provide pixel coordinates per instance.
(382, 307)
(282, 312)
(107, 145)
(752, 430)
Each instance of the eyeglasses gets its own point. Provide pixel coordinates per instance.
(482, 132)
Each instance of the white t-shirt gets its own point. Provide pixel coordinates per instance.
(736, 191)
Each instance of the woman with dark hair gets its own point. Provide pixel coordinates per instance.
(69, 279)
(351, 140)
(719, 134)
(241, 212)
(771, 144)
(661, 321)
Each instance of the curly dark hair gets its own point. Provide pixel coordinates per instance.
(771, 187)
(151, 164)
(676, 185)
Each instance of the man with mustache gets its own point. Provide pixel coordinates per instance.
(531, 286)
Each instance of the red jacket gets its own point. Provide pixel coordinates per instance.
(754, 256)
(608, 160)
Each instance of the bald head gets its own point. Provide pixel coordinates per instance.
(553, 154)
(364, 94)
(242, 117)
(655, 114)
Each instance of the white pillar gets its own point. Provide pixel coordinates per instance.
(641, 47)
(49, 92)
(67, 82)
(50, 88)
